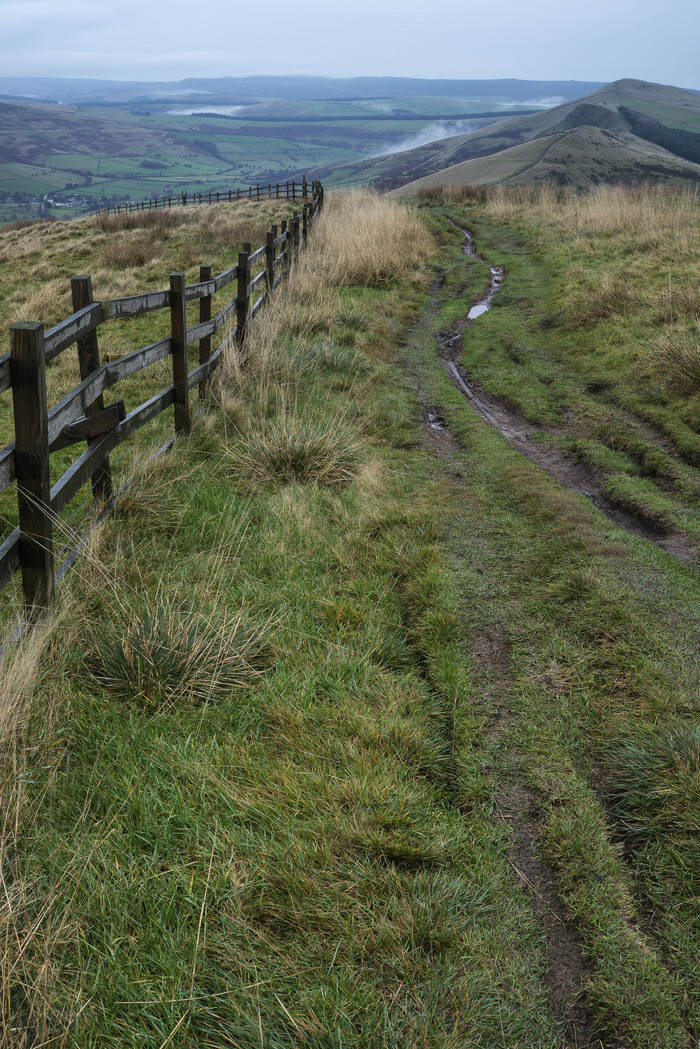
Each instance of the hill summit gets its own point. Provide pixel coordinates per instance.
(629, 131)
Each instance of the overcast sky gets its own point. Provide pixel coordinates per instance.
(528, 39)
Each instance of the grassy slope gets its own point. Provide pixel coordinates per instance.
(584, 157)
(114, 154)
(337, 855)
(620, 156)
(124, 255)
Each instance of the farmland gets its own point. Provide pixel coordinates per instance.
(60, 159)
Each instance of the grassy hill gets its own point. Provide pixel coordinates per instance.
(629, 131)
(356, 726)
(582, 158)
(81, 154)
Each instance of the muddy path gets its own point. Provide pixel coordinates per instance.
(540, 446)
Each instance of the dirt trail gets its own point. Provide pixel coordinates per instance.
(528, 438)
(517, 808)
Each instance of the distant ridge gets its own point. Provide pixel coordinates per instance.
(628, 131)
(233, 89)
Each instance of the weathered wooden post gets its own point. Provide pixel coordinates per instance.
(178, 344)
(28, 376)
(269, 262)
(295, 236)
(305, 188)
(285, 233)
(206, 273)
(89, 360)
(243, 295)
(305, 226)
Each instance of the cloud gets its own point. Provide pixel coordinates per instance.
(432, 133)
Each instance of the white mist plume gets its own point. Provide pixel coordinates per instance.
(432, 133)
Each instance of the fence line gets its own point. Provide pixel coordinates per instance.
(81, 415)
(273, 191)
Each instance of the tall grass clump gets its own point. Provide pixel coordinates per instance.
(283, 428)
(655, 783)
(291, 448)
(371, 240)
(176, 652)
(676, 357)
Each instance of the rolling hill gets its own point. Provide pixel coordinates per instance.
(629, 131)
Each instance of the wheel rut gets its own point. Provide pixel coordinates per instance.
(536, 444)
(517, 807)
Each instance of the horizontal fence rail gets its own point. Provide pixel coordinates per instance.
(272, 191)
(81, 415)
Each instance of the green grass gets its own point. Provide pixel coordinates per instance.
(464, 664)
(125, 255)
(599, 627)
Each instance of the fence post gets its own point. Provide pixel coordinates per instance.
(28, 376)
(285, 234)
(89, 360)
(277, 190)
(295, 235)
(305, 188)
(178, 342)
(242, 296)
(269, 262)
(205, 273)
(305, 226)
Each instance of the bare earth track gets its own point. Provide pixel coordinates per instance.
(528, 439)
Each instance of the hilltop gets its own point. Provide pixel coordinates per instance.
(628, 131)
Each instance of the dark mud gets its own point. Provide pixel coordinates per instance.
(538, 446)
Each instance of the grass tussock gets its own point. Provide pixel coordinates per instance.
(173, 653)
(655, 788)
(676, 357)
(371, 240)
(292, 449)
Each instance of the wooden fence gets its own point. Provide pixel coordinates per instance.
(81, 415)
(273, 191)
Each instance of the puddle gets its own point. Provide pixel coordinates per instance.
(497, 273)
(451, 341)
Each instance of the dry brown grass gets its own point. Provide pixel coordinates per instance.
(610, 211)
(51, 302)
(372, 240)
(361, 239)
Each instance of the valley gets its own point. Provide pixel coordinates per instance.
(108, 143)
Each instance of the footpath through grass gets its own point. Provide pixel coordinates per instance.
(346, 735)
